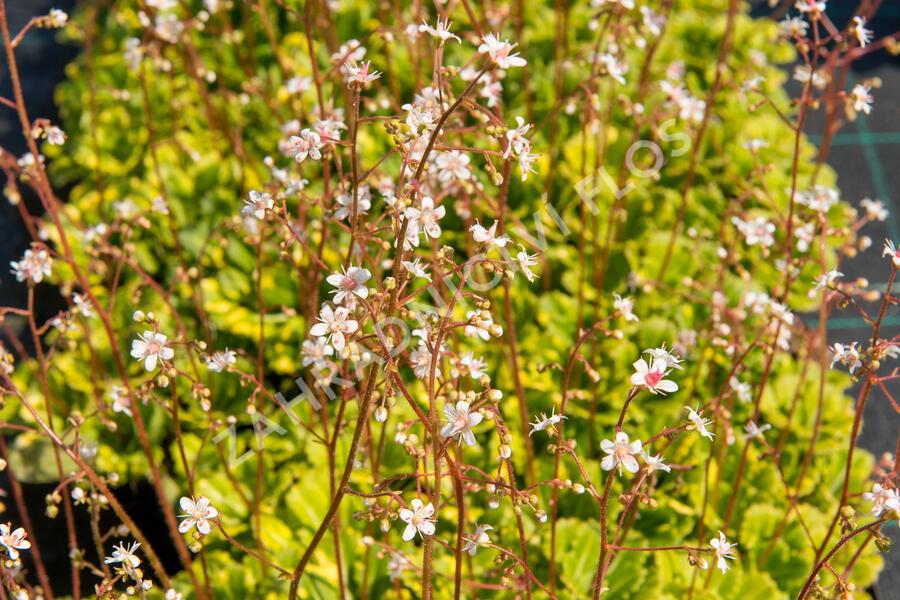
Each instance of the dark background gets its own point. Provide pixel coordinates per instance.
(865, 155)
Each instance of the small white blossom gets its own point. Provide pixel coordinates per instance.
(460, 421)
(360, 75)
(441, 31)
(655, 463)
(196, 512)
(334, 324)
(219, 361)
(416, 269)
(418, 520)
(306, 144)
(723, 549)
(846, 355)
(544, 422)
(825, 280)
(858, 29)
(861, 98)
(621, 453)
(875, 210)
(478, 538)
(489, 236)
(525, 262)
(500, 53)
(349, 283)
(34, 266)
(125, 555)
(625, 307)
(13, 540)
(699, 422)
(754, 431)
(891, 251)
(883, 500)
(150, 347)
(257, 204)
(427, 217)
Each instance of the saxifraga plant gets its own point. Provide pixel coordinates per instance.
(384, 305)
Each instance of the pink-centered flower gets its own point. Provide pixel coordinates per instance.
(151, 347)
(651, 375)
(349, 283)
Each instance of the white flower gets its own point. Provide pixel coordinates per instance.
(170, 593)
(482, 325)
(894, 253)
(793, 27)
(757, 231)
(474, 366)
(334, 323)
(861, 99)
(805, 74)
(499, 52)
(13, 541)
(624, 306)
(441, 31)
(418, 520)
(819, 197)
(427, 217)
(663, 356)
(57, 18)
(56, 136)
(120, 400)
(743, 390)
(298, 85)
(515, 139)
(349, 283)
(352, 51)
(150, 347)
(306, 144)
(690, 108)
(655, 463)
(875, 210)
(315, 351)
(723, 549)
(883, 500)
(846, 355)
(699, 422)
(526, 261)
(33, 266)
(863, 35)
(615, 68)
(7, 361)
(488, 236)
(621, 453)
(526, 164)
(219, 361)
(421, 362)
(460, 422)
(754, 431)
(825, 280)
(257, 205)
(124, 555)
(453, 165)
(652, 376)
(478, 537)
(360, 75)
(416, 269)
(345, 202)
(544, 422)
(197, 513)
(83, 305)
